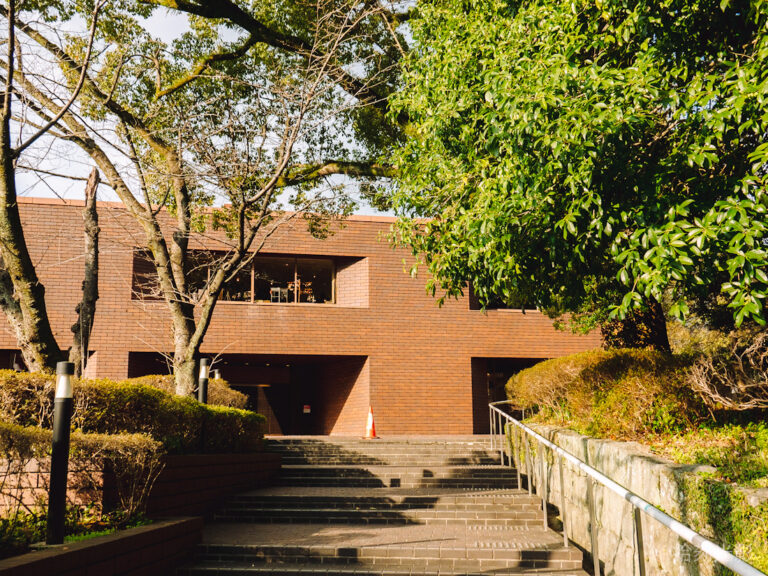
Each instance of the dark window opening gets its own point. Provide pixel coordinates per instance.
(238, 289)
(198, 272)
(315, 280)
(145, 285)
(516, 303)
(274, 279)
(269, 279)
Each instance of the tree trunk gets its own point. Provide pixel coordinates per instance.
(185, 350)
(25, 306)
(86, 309)
(642, 328)
(658, 339)
(184, 371)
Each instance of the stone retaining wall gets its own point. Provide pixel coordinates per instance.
(656, 480)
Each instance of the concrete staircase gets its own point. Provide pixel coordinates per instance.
(395, 506)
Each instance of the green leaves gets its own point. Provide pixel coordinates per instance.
(566, 147)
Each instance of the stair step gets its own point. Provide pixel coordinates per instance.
(469, 483)
(475, 558)
(336, 516)
(423, 462)
(478, 505)
(299, 569)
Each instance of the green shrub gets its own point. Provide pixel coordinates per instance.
(135, 459)
(219, 392)
(182, 424)
(611, 393)
(223, 425)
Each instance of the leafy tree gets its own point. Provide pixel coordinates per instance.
(220, 117)
(590, 157)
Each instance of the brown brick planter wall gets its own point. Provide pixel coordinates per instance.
(193, 484)
(144, 551)
(188, 485)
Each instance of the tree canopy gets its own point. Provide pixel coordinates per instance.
(591, 157)
(245, 114)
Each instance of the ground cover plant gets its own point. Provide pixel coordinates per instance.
(651, 398)
(135, 461)
(125, 428)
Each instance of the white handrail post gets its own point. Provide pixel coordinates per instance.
(517, 458)
(493, 429)
(593, 524)
(543, 483)
(562, 504)
(490, 424)
(528, 470)
(508, 430)
(501, 436)
(639, 542)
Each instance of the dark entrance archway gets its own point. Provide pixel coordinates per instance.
(489, 378)
(299, 394)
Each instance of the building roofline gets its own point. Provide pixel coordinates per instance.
(108, 204)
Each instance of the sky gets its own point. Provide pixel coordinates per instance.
(163, 24)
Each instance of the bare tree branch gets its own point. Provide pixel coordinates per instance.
(75, 92)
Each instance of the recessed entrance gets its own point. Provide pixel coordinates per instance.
(489, 378)
(299, 394)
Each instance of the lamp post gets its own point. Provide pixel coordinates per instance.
(62, 417)
(202, 382)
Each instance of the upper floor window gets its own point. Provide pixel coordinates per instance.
(268, 279)
(516, 303)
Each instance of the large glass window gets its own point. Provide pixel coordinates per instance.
(269, 279)
(315, 280)
(238, 289)
(274, 279)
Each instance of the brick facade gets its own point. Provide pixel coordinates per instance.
(384, 343)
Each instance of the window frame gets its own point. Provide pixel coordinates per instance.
(135, 294)
(296, 282)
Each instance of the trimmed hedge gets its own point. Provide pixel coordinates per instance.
(135, 459)
(219, 392)
(611, 393)
(181, 424)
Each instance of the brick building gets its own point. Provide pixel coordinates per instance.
(327, 326)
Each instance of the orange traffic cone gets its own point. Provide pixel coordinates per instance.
(370, 427)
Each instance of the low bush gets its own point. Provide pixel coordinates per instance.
(182, 424)
(738, 451)
(135, 459)
(611, 393)
(219, 392)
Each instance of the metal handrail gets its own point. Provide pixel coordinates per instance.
(722, 556)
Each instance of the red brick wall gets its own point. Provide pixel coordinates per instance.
(195, 484)
(345, 386)
(352, 282)
(419, 355)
